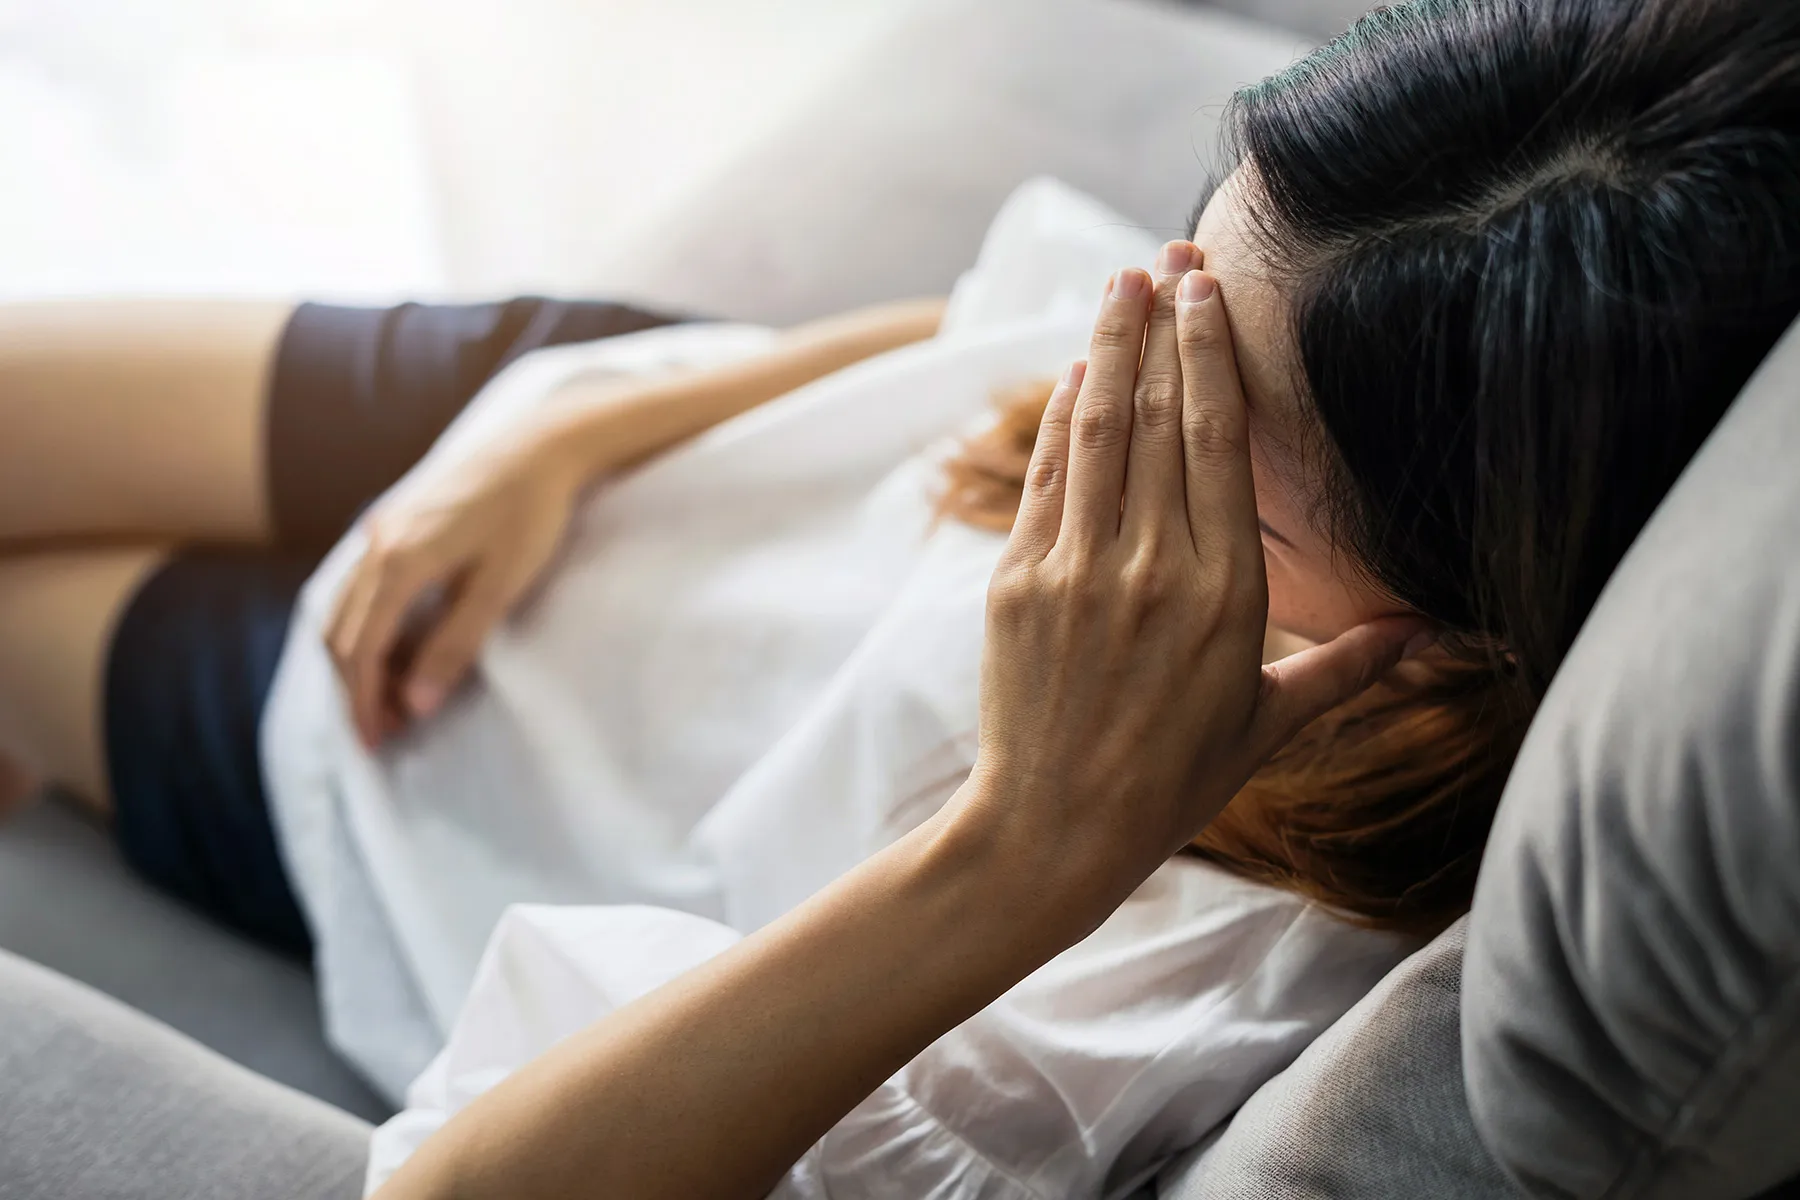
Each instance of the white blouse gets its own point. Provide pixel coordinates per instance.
(754, 665)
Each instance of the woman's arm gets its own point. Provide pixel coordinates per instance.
(1122, 705)
(484, 531)
(610, 428)
(715, 1084)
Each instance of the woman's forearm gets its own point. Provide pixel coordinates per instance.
(606, 429)
(715, 1084)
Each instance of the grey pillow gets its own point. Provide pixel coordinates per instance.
(1372, 1110)
(1631, 1012)
(882, 185)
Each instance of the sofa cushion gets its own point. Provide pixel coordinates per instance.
(103, 1103)
(1323, 18)
(67, 901)
(1631, 1014)
(1372, 1110)
(882, 185)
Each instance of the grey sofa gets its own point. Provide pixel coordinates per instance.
(102, 1103)
(1618, 1016)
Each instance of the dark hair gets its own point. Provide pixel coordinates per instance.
(1534, 249)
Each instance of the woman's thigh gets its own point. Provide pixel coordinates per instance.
(243, 422)
(58, 611)
(135, 419)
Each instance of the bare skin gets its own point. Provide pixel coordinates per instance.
(127, 427)
(57, 610)
(135, 420)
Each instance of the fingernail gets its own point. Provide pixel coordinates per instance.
(1071, 378)
(1195, 287)
(1130, 285)
(1175, 258)
(424, 698)
(1422, 641)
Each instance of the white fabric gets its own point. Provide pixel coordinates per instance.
(1079, 1082)
(756, 664)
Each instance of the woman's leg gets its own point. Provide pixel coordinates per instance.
(172, 422)
(137, 419)
(58, 610)
(135, 680)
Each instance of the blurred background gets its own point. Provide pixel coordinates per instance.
(363, 149)
(367, 148)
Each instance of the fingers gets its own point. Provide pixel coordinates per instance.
(455, 641)
(341, 634)
(1305, 686)
(1221, 499)
(362, 635)
(1155, 485)
(1046, 479)
(1101, 430)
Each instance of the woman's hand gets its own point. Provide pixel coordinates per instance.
(1123, 697)
(445, 562)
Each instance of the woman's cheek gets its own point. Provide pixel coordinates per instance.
(1313, 604)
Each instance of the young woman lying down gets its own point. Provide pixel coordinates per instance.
(738, 761)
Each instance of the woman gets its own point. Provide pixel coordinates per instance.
(1493, 272)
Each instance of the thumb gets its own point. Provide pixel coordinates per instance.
(1304, 687)
(452, 646)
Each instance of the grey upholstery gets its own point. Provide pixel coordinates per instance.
(1632, 992)
(101, 1103)
(1372, 1110)
(67, 901)
(883, 185)
(1322, 18)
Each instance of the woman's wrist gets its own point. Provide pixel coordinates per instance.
(1059, 882)
(577, 441)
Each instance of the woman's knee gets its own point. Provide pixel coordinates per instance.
(58, 610)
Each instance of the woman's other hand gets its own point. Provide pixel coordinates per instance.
(445, 562)
(1124, 701)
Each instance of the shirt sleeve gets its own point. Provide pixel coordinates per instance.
(1077, 1083)
(1126, 1049)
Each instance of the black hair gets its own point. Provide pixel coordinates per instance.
(1534, 249)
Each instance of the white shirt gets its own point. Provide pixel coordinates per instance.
(755, 664)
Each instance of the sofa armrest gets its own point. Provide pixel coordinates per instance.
(103, 1103)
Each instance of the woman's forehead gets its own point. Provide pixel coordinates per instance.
(1261, 320)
